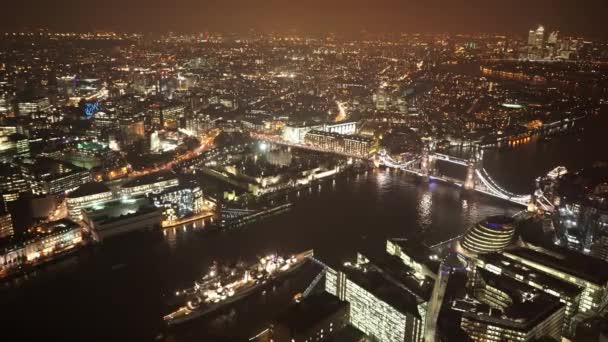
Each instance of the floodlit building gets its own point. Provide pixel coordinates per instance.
(35, 105)
(6, 225)
(39, 243)
(567, 293)
(86, 195)
(53, 176)
(493, 234)
(414, 255)
(589, 273)
(350, 144)
(297, 133)
(179, 201)
(579, 205)
(381, 306)
(13, 145)
(503, 309)
(121, 216)
(154, 182)
(14, 181)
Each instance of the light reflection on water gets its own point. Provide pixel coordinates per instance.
(368, 206)
(358, 213)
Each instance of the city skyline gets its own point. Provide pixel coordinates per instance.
(316, 17)
(304, 171)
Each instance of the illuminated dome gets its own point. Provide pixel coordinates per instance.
(490, 235)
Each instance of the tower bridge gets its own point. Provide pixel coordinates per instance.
(477, 178)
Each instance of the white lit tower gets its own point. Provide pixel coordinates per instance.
(539, 37)
(473, 165)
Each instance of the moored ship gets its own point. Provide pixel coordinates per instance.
(222, 286)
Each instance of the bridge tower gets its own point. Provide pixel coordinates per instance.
(427, 161)
(473, 165)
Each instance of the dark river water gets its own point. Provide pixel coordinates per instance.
(116, 291)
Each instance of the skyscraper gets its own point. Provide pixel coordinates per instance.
(539, 37)
(552, 38)
(531, 37)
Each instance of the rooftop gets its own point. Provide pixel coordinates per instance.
(573, 263)
(150, 179)
(511, 268)
(526, 309)
(498, 222)
(38, 232)
(88, 189)
(404, 277)
(119, 209)
(418, 252)
(588, 186)
(310, 311)
(386, 286)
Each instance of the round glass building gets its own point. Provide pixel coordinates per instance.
(493, 234)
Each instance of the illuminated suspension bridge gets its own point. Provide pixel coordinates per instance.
(477, 178)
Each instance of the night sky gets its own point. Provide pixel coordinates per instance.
(585, 17)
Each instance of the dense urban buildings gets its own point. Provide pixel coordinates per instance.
(39, 244)
(133, 162)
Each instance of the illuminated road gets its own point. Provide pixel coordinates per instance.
(206, 144)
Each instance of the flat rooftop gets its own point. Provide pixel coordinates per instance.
(528, 308)
(418, 252)
(508, 265)
(573, 263)
(119, 209)
(89, 189)
(150, 179)
(393, 268)
(385, 285)
(312, 310)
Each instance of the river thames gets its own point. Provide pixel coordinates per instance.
(116, 290)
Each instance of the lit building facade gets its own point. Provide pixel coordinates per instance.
(36, 105)
(86, 195)
(493, 234)
(6, 225)
(5, 133)
(578, 204)
(589, 273)
(503, 309)
(297, 133)
(180, 201)
(13, 145)
(66, 182)
(567, 293)
(156, 182)
(104, 121)
(51, 176)
(167, 116)
(40, 243)
(121, 216)
(349, 144)
(14, 181)
(379, 308)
